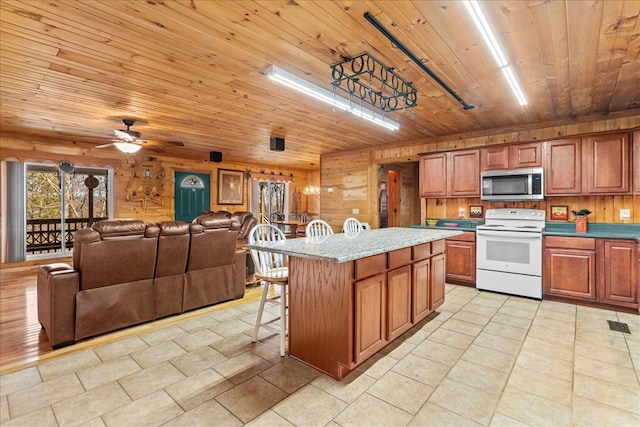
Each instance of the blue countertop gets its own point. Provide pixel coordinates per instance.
(460, 224)
(348, 247)
(594, 229)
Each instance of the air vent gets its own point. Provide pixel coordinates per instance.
(619, 326)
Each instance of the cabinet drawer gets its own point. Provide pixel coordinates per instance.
(438, 246)
(584, 243)
(399, 258)
(466, 236)
(365, 267)
(421, 251)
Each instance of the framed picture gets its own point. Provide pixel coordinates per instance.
(560, 213)
(475, 211)
(230, 187)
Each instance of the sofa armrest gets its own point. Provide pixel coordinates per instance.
(57, 287)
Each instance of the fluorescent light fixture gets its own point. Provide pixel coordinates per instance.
(127, 147)
(328, 97)
(492, 43)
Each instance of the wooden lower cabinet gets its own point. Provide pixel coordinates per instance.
(461, 259)
(569, 267)
(600, 271)
(350, 310)
(370, 316)
(438, 268)
(421, 289)
(618, 272)
(399, 301)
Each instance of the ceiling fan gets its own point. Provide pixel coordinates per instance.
(128, 141)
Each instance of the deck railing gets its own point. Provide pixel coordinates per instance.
(45, 235)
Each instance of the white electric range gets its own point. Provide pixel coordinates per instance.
(509, 252)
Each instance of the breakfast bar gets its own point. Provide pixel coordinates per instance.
(352, 294)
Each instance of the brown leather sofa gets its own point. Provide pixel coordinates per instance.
(127, 272)
(243, 221)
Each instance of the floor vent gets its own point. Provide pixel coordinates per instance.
(619, 326)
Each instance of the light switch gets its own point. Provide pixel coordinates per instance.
(625, 213)
(355, 211)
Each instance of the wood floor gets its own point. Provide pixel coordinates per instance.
(21, 337)
(23, 342)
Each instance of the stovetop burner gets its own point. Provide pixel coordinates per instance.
(520, 220)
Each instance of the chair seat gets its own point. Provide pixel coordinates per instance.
(279, 274)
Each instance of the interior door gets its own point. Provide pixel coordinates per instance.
(394, 193)
(192, 195)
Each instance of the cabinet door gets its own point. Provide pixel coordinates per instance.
(370, 316)
(433, 175)
(569, 273)
(421, 283)
(605, 164)
(464, 178)
(399, 301)
(438, 268)
(617, 262)
(461, 261)
(494, 158)
(525, 155)
(635, 162)
(563, 167)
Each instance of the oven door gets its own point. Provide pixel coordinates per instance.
(509, 252)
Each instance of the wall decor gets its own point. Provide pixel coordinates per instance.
(475, 211)
(559, 213)
(146, 183)
(230, 187)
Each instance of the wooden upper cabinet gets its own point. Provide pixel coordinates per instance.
(525, 155)
(563, 167)
(606, 164)
(433, 175)
(515, 156)
(635, 162)
(464, 176)
(452, 174)
(494, 158)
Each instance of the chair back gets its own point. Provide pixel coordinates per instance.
(318, 227)
(265, 261)
(351, 225)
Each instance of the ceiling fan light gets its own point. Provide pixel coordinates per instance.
(127, 147)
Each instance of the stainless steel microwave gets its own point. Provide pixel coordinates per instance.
(516, 184)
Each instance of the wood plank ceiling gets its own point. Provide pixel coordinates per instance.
(194, 71)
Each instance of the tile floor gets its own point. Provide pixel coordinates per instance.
(485, 359)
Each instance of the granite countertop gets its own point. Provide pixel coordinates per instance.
(344, 247)
(596, 230)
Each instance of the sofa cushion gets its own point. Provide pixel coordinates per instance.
(213, 220)
(114, 252)
(119, 227)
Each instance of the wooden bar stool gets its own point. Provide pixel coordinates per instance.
(271, 269)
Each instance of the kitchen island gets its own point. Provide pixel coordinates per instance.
(352, 294)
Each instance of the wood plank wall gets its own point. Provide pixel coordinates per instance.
(605, 208)
(33, 150)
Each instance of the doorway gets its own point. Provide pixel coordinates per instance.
(399, 188)
(192, 195)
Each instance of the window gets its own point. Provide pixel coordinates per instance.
(269, 200)
(50, 206)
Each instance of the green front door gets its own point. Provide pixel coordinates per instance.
(192, 192)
